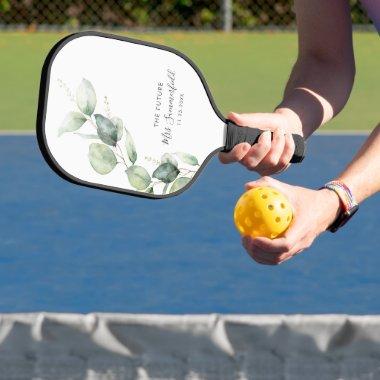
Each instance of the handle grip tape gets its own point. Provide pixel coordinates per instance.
(236, 135)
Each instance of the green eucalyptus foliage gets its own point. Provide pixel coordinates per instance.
(187, 158)
(86, 97)
(169, 158)
(138, 177)
(166, 172)
(102, 158)
(72, 122)
(130, 147)
(115, 144)
(107, 131)
(179, 183)
(119, 125)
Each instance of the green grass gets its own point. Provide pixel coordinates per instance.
(246, 72)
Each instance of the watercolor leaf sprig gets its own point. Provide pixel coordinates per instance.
(115, 146)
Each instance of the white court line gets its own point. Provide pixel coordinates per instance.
(17, 133)
(346, 132)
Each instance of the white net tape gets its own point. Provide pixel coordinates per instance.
(125, 346)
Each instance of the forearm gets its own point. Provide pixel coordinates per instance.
(316, 92)
(362, 175)
(322, 78)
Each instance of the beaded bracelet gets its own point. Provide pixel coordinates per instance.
(349, 206)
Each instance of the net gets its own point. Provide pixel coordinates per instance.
(125, 346)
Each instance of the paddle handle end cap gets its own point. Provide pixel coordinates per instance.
(236, 135)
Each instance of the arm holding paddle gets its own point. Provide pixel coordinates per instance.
(316, 210)
(318, 88)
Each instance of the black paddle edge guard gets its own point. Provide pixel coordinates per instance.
(236, 135)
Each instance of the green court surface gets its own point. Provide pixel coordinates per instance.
(246, 72)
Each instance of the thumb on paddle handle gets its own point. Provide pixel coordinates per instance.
(236, 135)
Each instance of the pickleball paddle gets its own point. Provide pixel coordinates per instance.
(130, 116)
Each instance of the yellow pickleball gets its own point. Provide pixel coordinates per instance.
(263, 211)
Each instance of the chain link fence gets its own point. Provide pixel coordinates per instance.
(159, 14)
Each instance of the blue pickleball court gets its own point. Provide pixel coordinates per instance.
(66, 248)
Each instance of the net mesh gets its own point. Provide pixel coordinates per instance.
(211, 347)
(200, 14)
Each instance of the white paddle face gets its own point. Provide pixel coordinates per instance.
(125, 116)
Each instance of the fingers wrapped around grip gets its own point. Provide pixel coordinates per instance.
(236, 135)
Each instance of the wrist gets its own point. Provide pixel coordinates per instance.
(332, 206)
(355, 190)
(348, 205)
(293, 122)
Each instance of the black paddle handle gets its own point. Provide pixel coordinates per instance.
(236, 135)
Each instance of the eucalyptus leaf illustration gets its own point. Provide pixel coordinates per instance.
(179, 183)
(72, 122)
(119, 125)
(130, 147)
(169, 158)
(138, 177)
(101, 157)
(165, 188)
(187, 158)
(166, 172)
(87, 136)
(86, 97)
(110, 131)
(107, 131)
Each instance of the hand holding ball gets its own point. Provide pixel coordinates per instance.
(263, 211)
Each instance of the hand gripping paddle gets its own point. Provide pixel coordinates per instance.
(130, 116)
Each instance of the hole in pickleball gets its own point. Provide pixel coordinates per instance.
(264, 196)
(288, 219)
(275, 193)
(270, 207)
(282, 205)
(278, 220)
(257, 214)
(248, 222)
